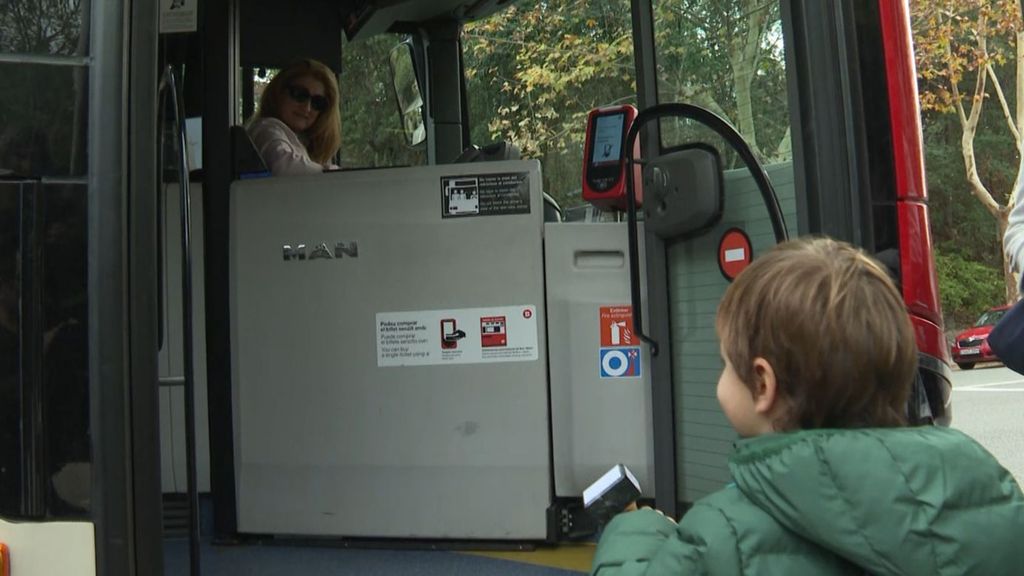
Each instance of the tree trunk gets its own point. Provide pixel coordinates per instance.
(743, 58)
(743, 73)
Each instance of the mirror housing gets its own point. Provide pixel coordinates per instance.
(407, 93)
(685, 192)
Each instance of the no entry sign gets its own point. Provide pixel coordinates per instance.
(734, 253)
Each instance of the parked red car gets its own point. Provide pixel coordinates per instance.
(971, 345)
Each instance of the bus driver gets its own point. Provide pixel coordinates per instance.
(297, 129)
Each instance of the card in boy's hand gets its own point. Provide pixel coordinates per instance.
(612, 492)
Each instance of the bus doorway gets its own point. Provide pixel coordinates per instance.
(801, 82)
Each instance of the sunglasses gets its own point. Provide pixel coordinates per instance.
(300, 95)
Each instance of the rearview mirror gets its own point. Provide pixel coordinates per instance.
(407, 93)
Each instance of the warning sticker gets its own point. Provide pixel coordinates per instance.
(492, 332)
(619, 355)
(617, 326)
(485, 195)
(178, 16)
(734, 253)
(461, 336)
(620, 362)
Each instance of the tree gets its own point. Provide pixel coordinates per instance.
(737, 48)
(371, 127)
(42, 108)
(537, 68)
(963, 50)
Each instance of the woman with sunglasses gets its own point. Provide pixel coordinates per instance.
(297, 129)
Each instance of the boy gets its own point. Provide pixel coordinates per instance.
(819, 360)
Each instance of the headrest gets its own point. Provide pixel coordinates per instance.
(489, 153)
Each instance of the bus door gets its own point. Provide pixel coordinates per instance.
(79, 490)
(805, 84)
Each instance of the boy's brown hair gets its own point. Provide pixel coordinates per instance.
(834, 328)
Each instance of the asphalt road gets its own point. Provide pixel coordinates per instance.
(988, 404)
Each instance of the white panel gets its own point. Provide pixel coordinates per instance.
(171, 357)
(178, 456)
(167, 471)
(329, 443)
(596, 422)
(48, 548)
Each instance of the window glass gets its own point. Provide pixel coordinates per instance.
(65, 349)
(43, 118)
(44, 378)
(371, 126)
(728, 57)
(51, 28)
(10, 390)
(45, 450)
(535, 70)
(990, 318)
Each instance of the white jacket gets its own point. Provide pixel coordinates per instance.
(282, 150)
(1013, 240)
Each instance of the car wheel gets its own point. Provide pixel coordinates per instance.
(965, 365)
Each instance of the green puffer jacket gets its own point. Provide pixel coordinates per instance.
(904, 501)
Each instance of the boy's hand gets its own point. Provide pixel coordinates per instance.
(633, 508)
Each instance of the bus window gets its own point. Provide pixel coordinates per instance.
(372, 134)
(45, 453)
(42, 119)
(371, 125)
(535, 70)
(726, 56)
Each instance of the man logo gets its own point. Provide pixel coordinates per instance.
(621, 362)
(321, 251)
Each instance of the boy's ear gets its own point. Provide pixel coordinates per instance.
(765, 387)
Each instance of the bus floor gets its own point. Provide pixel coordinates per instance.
(258, 559)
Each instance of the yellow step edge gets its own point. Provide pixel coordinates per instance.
(577, 557)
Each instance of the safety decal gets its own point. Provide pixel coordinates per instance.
(620, 362)
(734, 253)
(485, 195)
(460, 336)
(616, 326)
(618, 355)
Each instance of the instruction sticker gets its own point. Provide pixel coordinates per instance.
(620, 362)
(485, 195)
(178, 16)
(618, 355)
(460, 336)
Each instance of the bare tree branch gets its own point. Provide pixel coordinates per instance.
(970, 130)
(1002, 102)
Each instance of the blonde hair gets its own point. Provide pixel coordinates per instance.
(324, 136)
(832, 324)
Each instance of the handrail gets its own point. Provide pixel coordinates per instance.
(735, 139)
(169, 83)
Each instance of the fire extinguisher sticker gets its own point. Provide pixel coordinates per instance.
(493, 331)
(616, 326)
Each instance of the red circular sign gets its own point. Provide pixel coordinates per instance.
(734, 253)
(527, 313)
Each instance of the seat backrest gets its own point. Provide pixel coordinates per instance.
(245, 159)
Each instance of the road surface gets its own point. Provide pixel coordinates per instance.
(988, 404)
